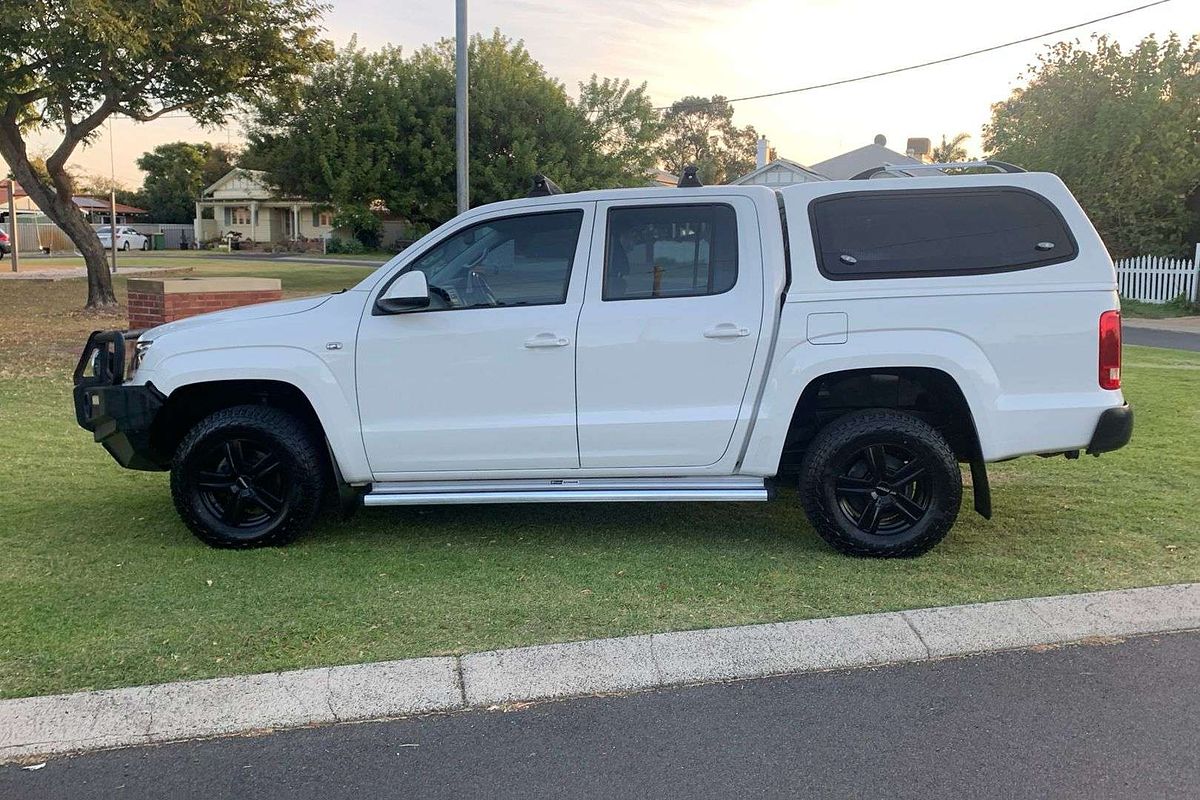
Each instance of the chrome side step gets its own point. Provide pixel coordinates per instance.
(568, 490)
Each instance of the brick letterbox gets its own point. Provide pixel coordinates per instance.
(153, 301)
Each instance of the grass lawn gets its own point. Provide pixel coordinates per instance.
(1175, 308)
(102, 586)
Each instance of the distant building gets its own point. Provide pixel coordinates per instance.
(784, 172)
(98, 210)
(660, 177)
(855, 162)
(242, 201)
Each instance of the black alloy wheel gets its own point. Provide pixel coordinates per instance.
(243, 483)
(249, 476)
(880, 482)
(883, 489)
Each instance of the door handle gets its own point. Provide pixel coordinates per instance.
(726, 330)
(547, 340)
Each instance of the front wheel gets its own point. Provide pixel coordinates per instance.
(881, 483)
(248, 476)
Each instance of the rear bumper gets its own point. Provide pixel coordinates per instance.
(1112, 431)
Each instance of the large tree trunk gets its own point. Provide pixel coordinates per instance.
(56, 202)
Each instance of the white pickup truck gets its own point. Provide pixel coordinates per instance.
(859, 338)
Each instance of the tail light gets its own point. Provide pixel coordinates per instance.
(1110, 350)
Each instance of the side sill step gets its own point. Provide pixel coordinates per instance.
(568, 491)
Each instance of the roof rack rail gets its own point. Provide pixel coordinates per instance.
(690, 179)
(543, 187)
(904, 169)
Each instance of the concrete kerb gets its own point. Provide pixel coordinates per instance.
(40, 726)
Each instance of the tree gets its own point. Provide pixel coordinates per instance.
(625, 126)
(950, 150)
(1122, 129)
(376, 129)
(700, 131)
(69, 65)
(176, 174)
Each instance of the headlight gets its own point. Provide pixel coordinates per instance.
(140, 348)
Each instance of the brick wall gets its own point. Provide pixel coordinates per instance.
(153, 302)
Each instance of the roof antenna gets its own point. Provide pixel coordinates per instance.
(689, 179)
(543, 187)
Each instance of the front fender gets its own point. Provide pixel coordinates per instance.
(333, 400)
(792, 372)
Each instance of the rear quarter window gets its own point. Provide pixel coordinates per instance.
(933, 232)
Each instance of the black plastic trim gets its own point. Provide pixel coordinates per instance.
(941, 273)
(1113, 430)
(120, 419)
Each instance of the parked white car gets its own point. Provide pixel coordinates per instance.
(127, 238)
(857, 339)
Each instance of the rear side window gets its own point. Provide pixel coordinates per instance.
(670, 251)
(929, 233)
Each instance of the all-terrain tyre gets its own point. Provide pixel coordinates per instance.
(880, 483)
(248, 476)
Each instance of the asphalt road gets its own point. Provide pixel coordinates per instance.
(1117, 720)
(1150, 337)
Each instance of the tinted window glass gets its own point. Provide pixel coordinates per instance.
(515, 261)
(670, 251)
(915, 233)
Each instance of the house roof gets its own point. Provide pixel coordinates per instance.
(660, 177)
(795, 166)
(87, 203)
(17, 191)
(847, 165)
(256, 175)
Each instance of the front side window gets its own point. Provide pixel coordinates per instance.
(241, 216)
(513, 261)
(670, 251)
(907, 234)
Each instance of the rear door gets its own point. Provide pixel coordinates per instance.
(668, 332)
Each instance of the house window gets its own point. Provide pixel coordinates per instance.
(241, 216)
(323, 219)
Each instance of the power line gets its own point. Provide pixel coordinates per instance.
(924, 64)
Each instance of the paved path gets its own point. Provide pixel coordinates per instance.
(1179, 334)
(1089, 721)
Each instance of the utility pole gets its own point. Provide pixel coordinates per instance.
(112, 197)
(12, 223)
(461, 40)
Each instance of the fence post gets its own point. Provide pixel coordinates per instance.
(1196, 275)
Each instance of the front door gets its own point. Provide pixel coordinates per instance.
(484, 378)
(668, 334)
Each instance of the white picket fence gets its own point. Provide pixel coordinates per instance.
(1159, 280)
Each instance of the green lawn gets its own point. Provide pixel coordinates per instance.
(102, 586)
(1175, 308)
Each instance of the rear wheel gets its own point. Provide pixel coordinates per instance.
(125, 246)
(881, 483)
(248, 476)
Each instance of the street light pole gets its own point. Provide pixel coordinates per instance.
(112, 197)
(461, 41)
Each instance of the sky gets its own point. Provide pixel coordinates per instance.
(705, 47)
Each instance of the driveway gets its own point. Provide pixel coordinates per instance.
(1108, 719)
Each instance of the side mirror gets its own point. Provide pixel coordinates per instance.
(407, 293)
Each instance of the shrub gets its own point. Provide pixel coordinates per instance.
(346, 246)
